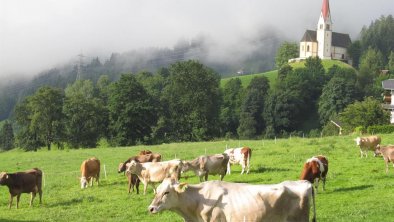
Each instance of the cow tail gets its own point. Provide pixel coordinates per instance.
(314, 204)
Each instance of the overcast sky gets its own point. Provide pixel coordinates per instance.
(40, 34)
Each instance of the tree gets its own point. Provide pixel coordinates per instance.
(390, 63)
(230, 110)
(7, 136)
(251, 119)
(355, 52)
(46, 114)
(131, 110)
(371, 64)
(85, 115)
(285, 52)
(365, 113)
(193, 100)
(337, 94)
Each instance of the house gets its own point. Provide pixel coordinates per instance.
(388, 97)
(323, 42)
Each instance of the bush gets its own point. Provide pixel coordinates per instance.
(380, 129)
(360, 130)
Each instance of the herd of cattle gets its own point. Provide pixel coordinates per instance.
(209, 200)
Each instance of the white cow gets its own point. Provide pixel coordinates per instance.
(367, 143)
(224, 201)
(204, 165)
(241, 156)
(155, 172)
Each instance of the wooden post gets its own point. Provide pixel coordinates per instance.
(105, 172)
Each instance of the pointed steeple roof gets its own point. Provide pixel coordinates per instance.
(325, 9)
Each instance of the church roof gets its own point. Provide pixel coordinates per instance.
(309, 36)
(338, 39)
(325, 9)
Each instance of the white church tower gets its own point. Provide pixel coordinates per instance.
(324, 32)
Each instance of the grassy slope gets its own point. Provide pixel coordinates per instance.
(357, 189)
(271, 75)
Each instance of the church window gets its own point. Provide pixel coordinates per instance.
(321, 26)
(327, 27)
(307, 48)
(303, 48)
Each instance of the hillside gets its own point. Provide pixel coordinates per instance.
(271, 75)
(353, 183)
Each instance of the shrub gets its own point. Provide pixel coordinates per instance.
(380, 129)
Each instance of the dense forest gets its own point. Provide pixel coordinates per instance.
(125, 103)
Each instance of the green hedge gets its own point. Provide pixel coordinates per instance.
(380, 129)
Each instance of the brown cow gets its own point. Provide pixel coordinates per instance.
(144, 152)
(315, 169)
(387, 153)
(207, 164)
(90, 169)
(29, 181)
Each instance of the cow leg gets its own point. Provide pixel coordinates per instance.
(40, 195)
(98, 179)
(206, 176)
(316, 183)
(145, 186)
(137, 185)
(130, 178)
(17, 200)
(11, 199)
(324, 183)
(33, 195)
(228, 168)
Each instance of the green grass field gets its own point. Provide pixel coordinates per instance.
(356, 190)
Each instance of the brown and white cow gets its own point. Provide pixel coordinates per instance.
(367, 143)
(204, 165)
(387, 153)
(29, 181)
(155, 172)
(143, 157)
(314, 170)
(224, 201)
(90, 169)
(240, 156)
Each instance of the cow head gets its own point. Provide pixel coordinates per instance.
(84, 182)
(377, 151)
(166, 195)
(358, 140)
(131, 167)
(3, 178)
(122, 167)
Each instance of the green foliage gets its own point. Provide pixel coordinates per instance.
(231, 105)
(132, 112)
(7, 139)
(355, 52)
(365, 113)
(251, 119)
(86, 115)
(378, 35)
(285, 52)
(380, 129)
(192, 96)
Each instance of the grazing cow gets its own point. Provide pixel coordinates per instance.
(90, 169)
(387, 153)
(144, 152)
(224, 201)
(204, 165)
(367, 143)
(315, 169)
(29, 181)
(155, 172)
(241, 156)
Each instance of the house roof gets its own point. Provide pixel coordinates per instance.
(388, 84)
(325, 9)
(309, 36)
(338, 39)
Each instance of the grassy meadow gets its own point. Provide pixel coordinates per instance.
(356, 190)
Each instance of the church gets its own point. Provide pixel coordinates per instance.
(323, 42)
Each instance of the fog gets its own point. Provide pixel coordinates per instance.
(40, 34)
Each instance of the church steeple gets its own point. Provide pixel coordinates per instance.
(324, 32)
(325, 10)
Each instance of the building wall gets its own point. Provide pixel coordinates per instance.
(339, 53)
(324, 37)
(304, 53)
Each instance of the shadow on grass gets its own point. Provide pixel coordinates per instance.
(67, 203)
(345, 189)
(262, 169)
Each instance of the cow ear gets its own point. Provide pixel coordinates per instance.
(181, 187)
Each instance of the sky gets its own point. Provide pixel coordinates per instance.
(40, 34)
